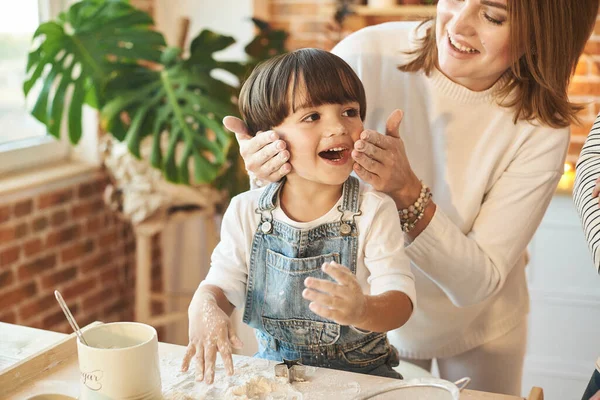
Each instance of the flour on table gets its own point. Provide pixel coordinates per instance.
(178, 396)
(254, 379)
(262, 388)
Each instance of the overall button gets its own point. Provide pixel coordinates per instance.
(266, 227)
(345, 229)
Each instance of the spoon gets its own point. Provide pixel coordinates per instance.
(69, 316)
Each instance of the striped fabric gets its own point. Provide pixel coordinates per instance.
(588, 170)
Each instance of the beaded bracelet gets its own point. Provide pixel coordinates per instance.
(409, 217)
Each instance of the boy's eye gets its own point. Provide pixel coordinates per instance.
(352, 112)
(312, 117)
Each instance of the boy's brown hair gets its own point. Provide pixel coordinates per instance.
(268, 95)
(547, 37)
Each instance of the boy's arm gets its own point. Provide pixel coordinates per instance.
(216, 293)
(392, 284)
(386, 312)
(229, 270)
(344, 302)
(210, 328)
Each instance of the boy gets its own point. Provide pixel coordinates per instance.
(317, 259)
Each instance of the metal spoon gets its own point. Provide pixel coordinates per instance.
(69, 316)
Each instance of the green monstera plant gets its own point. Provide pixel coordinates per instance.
(106, 54)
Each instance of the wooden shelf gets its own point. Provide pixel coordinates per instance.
(396, 11)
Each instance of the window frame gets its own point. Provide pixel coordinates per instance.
(42, 150)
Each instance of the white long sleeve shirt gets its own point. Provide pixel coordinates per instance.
(588, 170)
(382, 264)
(491, 179)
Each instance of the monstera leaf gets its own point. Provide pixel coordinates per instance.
(105, 53)
(267, 43)
(78, 53)
(180, 98)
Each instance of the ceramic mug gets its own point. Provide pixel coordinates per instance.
(120, 361)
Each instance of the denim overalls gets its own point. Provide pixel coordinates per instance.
(282, 258)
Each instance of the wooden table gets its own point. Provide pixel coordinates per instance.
(18, 343)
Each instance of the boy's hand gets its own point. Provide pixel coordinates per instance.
(343, 302)
(210, 331)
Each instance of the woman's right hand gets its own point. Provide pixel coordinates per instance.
(265, 156)
(210, 330)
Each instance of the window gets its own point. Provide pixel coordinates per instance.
(23, 140)
(18, 21)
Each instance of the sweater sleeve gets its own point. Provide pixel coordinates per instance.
(228, 267)
(587, 171)
(472, 267)
(385, 257)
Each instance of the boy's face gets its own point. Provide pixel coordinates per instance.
(320, 140)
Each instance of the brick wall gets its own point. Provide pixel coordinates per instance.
(65, 238)
(585, 88)
(306, 20)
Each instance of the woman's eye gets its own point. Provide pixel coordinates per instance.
(352, 112)
(311, 118)
(493, 20)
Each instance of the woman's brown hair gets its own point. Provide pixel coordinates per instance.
(546, 38)
(268, 96)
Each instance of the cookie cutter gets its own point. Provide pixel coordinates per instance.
(292, 370)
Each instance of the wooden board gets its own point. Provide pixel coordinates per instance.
(44, 360)
(20, 342)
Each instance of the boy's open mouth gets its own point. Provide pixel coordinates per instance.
(333, 154)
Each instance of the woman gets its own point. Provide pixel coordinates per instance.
(585, 197)
(484, 91)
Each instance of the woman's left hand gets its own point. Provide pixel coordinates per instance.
(343, 302)
(381, 161)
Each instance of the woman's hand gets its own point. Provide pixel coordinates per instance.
(381, 161)
(343, 302)
(265, 156)
(210, 331)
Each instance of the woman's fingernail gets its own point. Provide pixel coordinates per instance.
(273, 136)
(280, 145)
(363, 136)
(359, 145)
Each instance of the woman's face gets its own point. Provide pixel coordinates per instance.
(473, 41)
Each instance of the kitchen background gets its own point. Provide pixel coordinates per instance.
(57, 232)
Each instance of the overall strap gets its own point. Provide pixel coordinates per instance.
(268, 198)
(350, 195)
